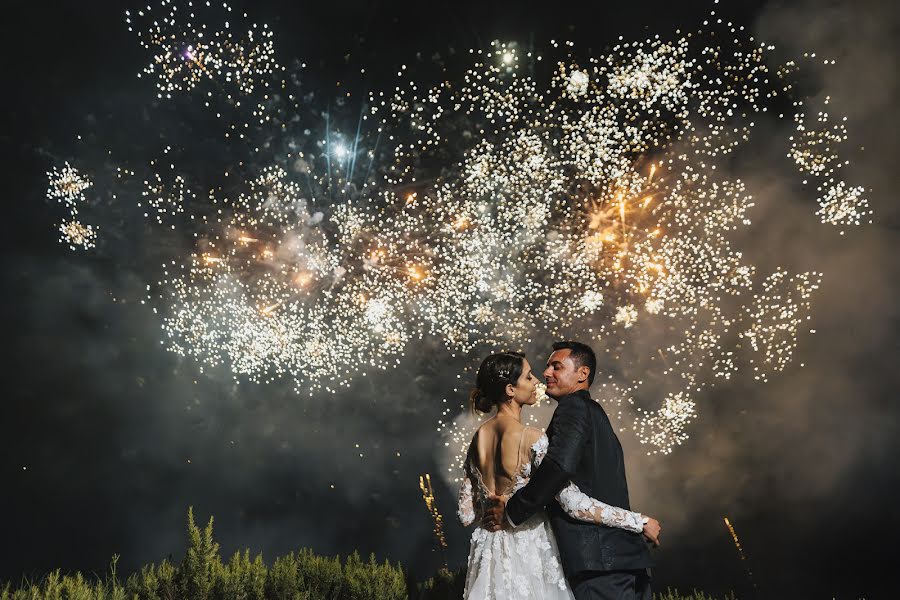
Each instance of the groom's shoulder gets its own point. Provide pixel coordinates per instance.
(570, 398)
(579, 403)
(581, 398)
(574, 404)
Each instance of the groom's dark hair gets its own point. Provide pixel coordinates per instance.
(582, 355)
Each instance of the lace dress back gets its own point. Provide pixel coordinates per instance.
(521, 563)
(498, 453)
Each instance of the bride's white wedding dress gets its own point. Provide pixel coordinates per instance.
(523, 563)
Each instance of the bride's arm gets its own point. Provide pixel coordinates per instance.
(579, 505)
(554, 474)
(466, 510)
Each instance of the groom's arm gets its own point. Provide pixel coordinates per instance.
(570, 427)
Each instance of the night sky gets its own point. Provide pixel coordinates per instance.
(106, 438)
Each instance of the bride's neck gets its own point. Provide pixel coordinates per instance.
(510, 409)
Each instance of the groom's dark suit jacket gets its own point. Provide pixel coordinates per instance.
(584, 449)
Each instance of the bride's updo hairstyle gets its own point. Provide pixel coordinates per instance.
(494, 374)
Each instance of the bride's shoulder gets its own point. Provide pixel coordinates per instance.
(488, 427)
(487, 433)
(533, 435)
(495, 426)
(533, 431)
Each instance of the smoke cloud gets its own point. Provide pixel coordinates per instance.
(111, 437)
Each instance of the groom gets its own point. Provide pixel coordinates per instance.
(602, 563)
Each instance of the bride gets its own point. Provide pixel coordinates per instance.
(521, 563)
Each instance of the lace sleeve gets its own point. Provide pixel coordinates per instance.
(539, 450)
(466, 510)
(579, 505)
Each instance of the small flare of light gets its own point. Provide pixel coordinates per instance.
(595, 240)
(592, 300)
(268, 310)
(578, 83)
(416, 272)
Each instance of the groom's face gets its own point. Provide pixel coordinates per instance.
(562, 375)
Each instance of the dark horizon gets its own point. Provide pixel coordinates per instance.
(107, 437)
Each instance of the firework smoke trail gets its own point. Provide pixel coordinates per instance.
(740, 549)
(437, 518)
(533, 195)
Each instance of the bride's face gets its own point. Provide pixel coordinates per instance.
(525, 392)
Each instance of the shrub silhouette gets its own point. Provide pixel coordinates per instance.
(300, 575)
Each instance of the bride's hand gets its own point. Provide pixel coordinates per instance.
(652, 530)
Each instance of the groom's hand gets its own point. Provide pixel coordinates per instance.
(652, 530)
(494, 517)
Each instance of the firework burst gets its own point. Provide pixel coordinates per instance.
(503, 205)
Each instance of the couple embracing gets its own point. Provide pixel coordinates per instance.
(552, 510)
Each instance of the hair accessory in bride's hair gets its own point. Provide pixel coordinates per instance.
(495, 373)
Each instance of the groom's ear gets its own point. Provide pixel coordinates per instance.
(584, 372)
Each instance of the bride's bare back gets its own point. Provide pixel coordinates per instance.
(499, 449)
